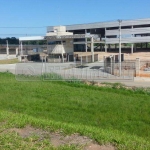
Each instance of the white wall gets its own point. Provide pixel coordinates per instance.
(59, 49)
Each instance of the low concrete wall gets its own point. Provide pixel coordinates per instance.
(54, 60)
(87, 58)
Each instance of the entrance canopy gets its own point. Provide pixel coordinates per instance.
(32, 38)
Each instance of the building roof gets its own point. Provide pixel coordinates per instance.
(104, 24)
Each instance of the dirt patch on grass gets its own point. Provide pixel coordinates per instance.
(28, 131)
(57, 139)
(2, 123)
(98, 147)
(116, 86)
(75, 139)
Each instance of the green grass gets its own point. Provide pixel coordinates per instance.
(107, 115)
(13, 141)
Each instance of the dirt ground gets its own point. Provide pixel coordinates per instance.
(58, 139)
(128, 56)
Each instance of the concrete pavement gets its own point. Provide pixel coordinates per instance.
(91, 71)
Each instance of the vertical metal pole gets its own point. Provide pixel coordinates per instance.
(120, 47)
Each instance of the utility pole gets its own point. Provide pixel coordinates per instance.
(120, 21)
(7, 49)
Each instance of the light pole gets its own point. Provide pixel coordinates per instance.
(120, 21)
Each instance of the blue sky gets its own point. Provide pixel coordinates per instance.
(42, 13)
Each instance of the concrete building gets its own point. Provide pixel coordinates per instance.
(132, 31)
(100, 36)
(56, 44)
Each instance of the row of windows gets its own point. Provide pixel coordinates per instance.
(57, 42)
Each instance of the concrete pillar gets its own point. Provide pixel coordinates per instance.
(81, 60)
(42, 59)
(75, 60)
(132, 48)
(92, 49)
(16, 51)
(21, 48)
(111, 64)
(137, 66)
(7, 49)
(132, 45)
(106, 48)
(62, 57)
(120, 70)
(45, 58)
(85, 41)
(105, 42)
(104, 59)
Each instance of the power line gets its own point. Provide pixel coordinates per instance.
(23, 34)
(25, 27)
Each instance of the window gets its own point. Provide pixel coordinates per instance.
(56, 42)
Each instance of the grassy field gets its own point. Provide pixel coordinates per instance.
(9, 61)
(107, 115)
